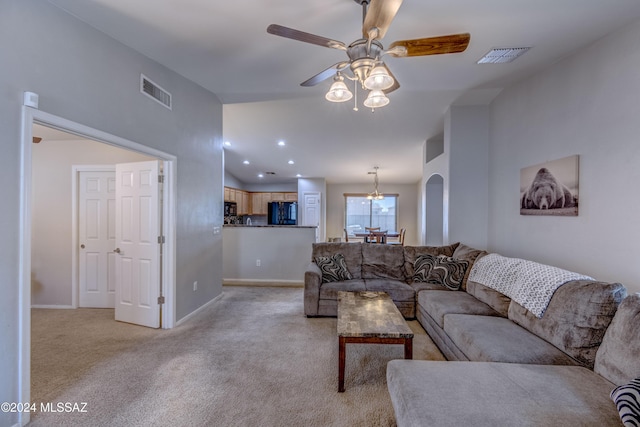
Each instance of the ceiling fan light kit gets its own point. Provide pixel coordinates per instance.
(376, 99)
(339, 92)
(365, 54)
(379, 79)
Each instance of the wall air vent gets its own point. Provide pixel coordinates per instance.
(154, 91)
(503, 55)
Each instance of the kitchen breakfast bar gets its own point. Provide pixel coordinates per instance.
(269, 255)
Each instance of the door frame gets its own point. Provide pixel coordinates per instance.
(168, 273)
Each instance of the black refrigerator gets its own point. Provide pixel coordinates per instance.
(283, 213)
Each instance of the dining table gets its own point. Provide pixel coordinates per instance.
(364, 235)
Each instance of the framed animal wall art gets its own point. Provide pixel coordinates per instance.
(550, 188)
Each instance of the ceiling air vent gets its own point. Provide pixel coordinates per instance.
(154, 91)
(502, 55)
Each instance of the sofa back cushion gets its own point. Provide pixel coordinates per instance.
(352, 253)
(382, 261)
(411, 253)
(499, 302)
(617, 359)
(576, 318)
(469, 254)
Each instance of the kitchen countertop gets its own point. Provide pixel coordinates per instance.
(268, 226)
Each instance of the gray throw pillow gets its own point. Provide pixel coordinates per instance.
(334, 268)
(442, 270)
(627, 399)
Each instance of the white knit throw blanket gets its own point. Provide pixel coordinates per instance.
(528, 283)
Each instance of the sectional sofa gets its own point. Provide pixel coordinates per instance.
(507, 365)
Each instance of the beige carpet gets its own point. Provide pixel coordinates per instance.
(250, 359)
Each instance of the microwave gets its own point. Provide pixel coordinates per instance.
(230, 209)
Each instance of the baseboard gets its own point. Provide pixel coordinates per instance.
(262, 282)
(59, 307)
(197, 310)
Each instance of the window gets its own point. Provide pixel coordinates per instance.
(361, 212)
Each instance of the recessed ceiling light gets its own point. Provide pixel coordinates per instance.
(227, 144)
(298, 175)
(246, 162)
(291, 162)
(260, 175)
(281, 143)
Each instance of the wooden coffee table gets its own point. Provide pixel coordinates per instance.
(369, 318)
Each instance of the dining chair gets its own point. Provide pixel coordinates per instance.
(346, 235)
(400, 241)
(369, 230)
(378, 236)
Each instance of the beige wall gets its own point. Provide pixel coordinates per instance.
(407, 207)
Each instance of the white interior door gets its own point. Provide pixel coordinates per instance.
(96, 238)
(137, 249)
(311, 212)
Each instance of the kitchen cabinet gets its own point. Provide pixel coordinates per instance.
(256, 203)
(264, 207)
(246, 208)
(239, 204)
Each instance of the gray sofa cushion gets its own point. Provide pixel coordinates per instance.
(330, 290)
(412, 252)
(397, 290)
(352, 253)
(576, 318)
(498, 339)
(432, 393)
(618, 357)
(499, 302)
(440, 303)
(424, 286)
(382, 262)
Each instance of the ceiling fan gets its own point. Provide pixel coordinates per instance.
(365, 54)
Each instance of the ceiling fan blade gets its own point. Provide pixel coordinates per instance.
(396, 83)
(290, 33)
(379, 16)
(453, 43)
(325, 74)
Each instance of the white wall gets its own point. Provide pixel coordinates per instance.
(86, 77)
(51, 246)
(463, 167)
(587, 104)
(467, 142)
(284, 253)
(407, 207)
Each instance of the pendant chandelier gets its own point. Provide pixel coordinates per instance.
(375, 194)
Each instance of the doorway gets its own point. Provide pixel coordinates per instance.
(167, 274)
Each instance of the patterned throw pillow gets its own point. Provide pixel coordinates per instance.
(627, 399)
(334, 268)
(442, 270)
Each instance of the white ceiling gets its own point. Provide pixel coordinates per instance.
(224, 47)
